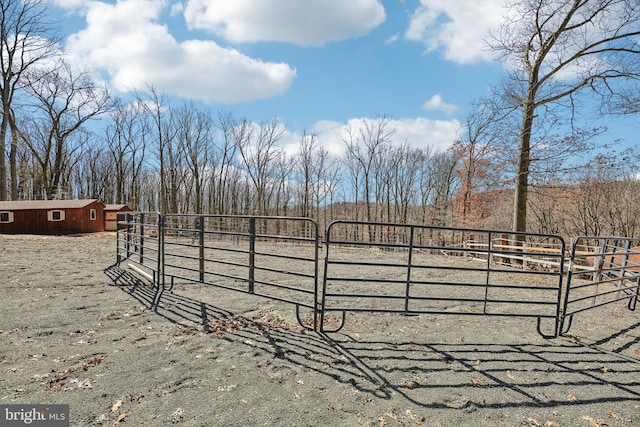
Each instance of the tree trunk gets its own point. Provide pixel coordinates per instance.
(3, 164)
(524, 160)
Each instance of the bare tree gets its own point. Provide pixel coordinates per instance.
(603, 198)
(94, 176)
(426, 185)
(324, 178)
(405, 172)
(354, 170)
(65, 99)
(174, 171)
(365, 147)
(445, 184)
(156, 105)
(27, 172)
(26, 39)
(282, 187)
(222, 160)
(259, 151)
(478, 169)
(560, 50)
(195, 134)
(126, 140)
(308, 147)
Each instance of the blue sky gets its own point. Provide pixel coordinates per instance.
(318, 65)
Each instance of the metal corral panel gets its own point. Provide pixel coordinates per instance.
(51, 217)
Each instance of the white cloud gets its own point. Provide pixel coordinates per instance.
(328, 133)
(306, 23)
(71, 4)
(394, 38)
(177, 9)
(437, 103)
(126, 40)
(458, 27)
(423, 132)
(418, 132)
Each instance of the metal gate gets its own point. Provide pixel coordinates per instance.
(272, 257)
(603, 270)
(383, 267)
(414, 269)
(138, 241)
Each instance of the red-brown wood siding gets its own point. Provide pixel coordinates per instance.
(76, 220)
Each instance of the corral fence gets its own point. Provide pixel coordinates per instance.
(138, 241)
(608, 274)
(429, 273)
(272, 257)
(409, 269)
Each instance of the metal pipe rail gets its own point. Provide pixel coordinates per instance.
(614, 275)
(240, 253)
(383, 267)
(138, 239)
(423, 273)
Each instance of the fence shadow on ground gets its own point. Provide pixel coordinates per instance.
(470, 375)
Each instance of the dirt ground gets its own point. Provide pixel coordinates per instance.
(76, 329)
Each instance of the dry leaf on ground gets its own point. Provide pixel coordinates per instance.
(593, 421)
(116, 406)
(120, 418)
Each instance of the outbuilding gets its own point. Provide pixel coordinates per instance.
(111, 216)
(55, 217)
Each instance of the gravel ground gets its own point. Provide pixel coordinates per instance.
(76, 329)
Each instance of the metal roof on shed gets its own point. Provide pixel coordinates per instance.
(44, 204)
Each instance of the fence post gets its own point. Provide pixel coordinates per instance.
(128, 244)
(598, 273)
(142, 219)
(624, 264)
(407, 293)
(491, 249)
(201, 244)
(634, 299)
(252, 251)
(118, 239)
(161, 276)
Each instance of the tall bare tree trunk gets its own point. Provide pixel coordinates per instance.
(560, 50)
(3, 162)
(522, 174)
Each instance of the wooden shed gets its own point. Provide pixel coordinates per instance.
(111, 216)
(51, 217)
